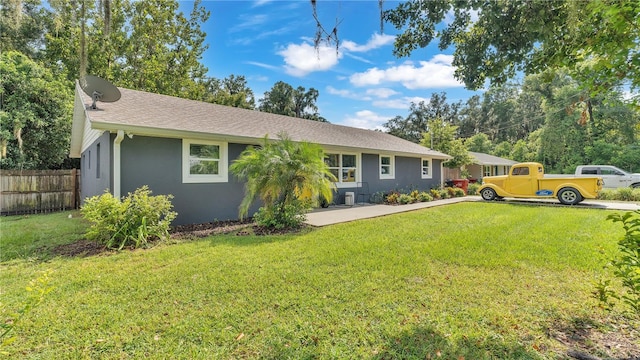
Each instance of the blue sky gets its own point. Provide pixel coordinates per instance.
(362, 85)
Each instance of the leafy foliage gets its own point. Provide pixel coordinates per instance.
(626, 266)
(35, 119)
(230, 91)
(421, 115)
(283, 173)
(283, 99)
(290, 216)
(597, 40)
(135, 220)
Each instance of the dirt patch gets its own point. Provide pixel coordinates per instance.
(586, 340)
(238, 227)
(80, 248)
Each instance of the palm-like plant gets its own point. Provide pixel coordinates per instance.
(282, 173)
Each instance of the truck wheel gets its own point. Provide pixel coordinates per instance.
(569, 196)
(488, 194)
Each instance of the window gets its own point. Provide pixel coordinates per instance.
(98, 161)
(520, 171)
(486, 170)
(387, 167)
(426, 169)
(343, 167)
(204, 161)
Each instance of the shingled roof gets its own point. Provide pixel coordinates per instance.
(143, 113)
(486, 159)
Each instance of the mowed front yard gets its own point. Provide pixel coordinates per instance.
(463, 281)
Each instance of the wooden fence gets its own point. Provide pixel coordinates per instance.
(36, 191)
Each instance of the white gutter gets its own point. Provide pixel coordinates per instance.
(116, 163)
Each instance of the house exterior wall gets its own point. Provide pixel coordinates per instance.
(96, 167)
(407, 175)
(157, 162)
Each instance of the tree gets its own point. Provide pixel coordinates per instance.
(479, 143)
(283, 99)
(231, 91)
(35, 120)
(282, 174)
(21, 26)
(441, 137)
(113, 41)
(416, 123)
(597, 40)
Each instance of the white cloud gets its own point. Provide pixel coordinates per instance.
(304, 58)
(435, 73)
(348, 94)
(382, 93)
(376, 41)
(262, 65)
(402, 103)
(365, 119)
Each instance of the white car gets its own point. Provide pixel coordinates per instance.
(613, 177)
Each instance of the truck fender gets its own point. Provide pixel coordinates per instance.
(499, 191)
(580, 189)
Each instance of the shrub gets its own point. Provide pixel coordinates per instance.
(626, 267)
(282, 216)
(456, 192)
(435, 193)
(405, 199)
(620, 194)
(414, 195)
(472, 189)
(378, 197)
(444, 193)
(133, 221)
(424, 197)
(392, 197)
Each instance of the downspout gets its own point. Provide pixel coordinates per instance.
(116, 163)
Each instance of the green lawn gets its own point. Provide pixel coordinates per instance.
(471, 280)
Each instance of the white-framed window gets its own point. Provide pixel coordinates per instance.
(387, 167)
(344, 167)
(204, 161)
(426, 168)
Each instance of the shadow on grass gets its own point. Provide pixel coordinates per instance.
(588, 338)
(426, 343)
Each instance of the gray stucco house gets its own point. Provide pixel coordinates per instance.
(151, 139)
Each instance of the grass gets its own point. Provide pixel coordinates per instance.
(472, 281)
(34, 236)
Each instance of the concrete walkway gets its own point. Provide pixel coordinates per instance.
(341, 213)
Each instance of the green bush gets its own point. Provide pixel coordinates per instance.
(378, 197)
(620, 194)
(282, 216)
(435, 193)
(626, 266)
(405, 199)
(472, 189)
(444, 193)
(392, 198)
(132, 222)
(424, 197)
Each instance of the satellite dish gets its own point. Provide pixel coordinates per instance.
(99, 89)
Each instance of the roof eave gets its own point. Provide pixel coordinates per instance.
(195, 135)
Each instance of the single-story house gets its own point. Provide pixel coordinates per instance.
(488, 165)
(155, 140)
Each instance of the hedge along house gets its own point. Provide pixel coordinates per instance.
(184, 148)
